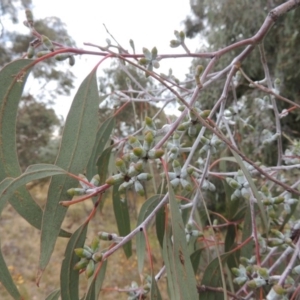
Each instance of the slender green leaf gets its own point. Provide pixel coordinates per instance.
(12, 80)
(96, 284)
(154, 292)
(195, 259)
(212, 277)
(69, 278)
(7, 281)
(233, 259)
(254, 190)
(160, 216)
(76, 146)
(160, 219)
(145, 210)
(3, 185)
(33, 172)
(103, 136)
(53, 295)
(122, 219)
(247, 250)
(179, 268)
(103, 163)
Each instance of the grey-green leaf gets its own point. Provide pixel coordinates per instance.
(33, 172)
(122, 219)
(76, 147)
(53, 295)
(145, 210)
(12, 80)
(69, 278)
(96, 284)
(180, 273)
(103, 136)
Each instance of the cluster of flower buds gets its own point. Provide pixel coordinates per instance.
(260, 278)
(240, 185)
(279, 239)
(90, 256)
(211, 144)
(180, 37)
(268, 138)
(45, 41)
(179, 177)
(133, 163)
(150, 59)
(237, 79)
(174, 147)
(206, 185)
(241, 274)
(85, 188)
(135, 292)
(231, 115)
(263, 103)
(191, 233)
(272, 202)
(292, 154)
(192, 125)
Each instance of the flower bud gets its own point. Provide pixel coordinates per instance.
(240, 280)
(296, 270)
(263, 272)
(139, 152)
(144, 61)
(71, 60)
(174, 43)
(95, 181)
(186, 185)
(148, 142)
(105, 236)
(144, 176)
(275, 242)
(97, 256)
(139, 188)
(183, 126)
(279, 290)
(30, 52)
(76, 192)
(90, 269)
(95, 244)
(154, 52)
(176, 167)
(121, 166)
(156, 153)
(155, 64)
(47, 42)
(278, 200)
(134, 142)
(234, 184)
(29, 16)
(83, 253)
(42, 53)
(277, 233)
(115, 179)
(175, 182)
(62, 56)
(81, 264)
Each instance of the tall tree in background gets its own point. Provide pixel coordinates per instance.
(222, 23)
(36, 121)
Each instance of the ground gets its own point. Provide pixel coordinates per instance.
(20, 244)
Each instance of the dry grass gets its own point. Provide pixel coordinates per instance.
(20, 244)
